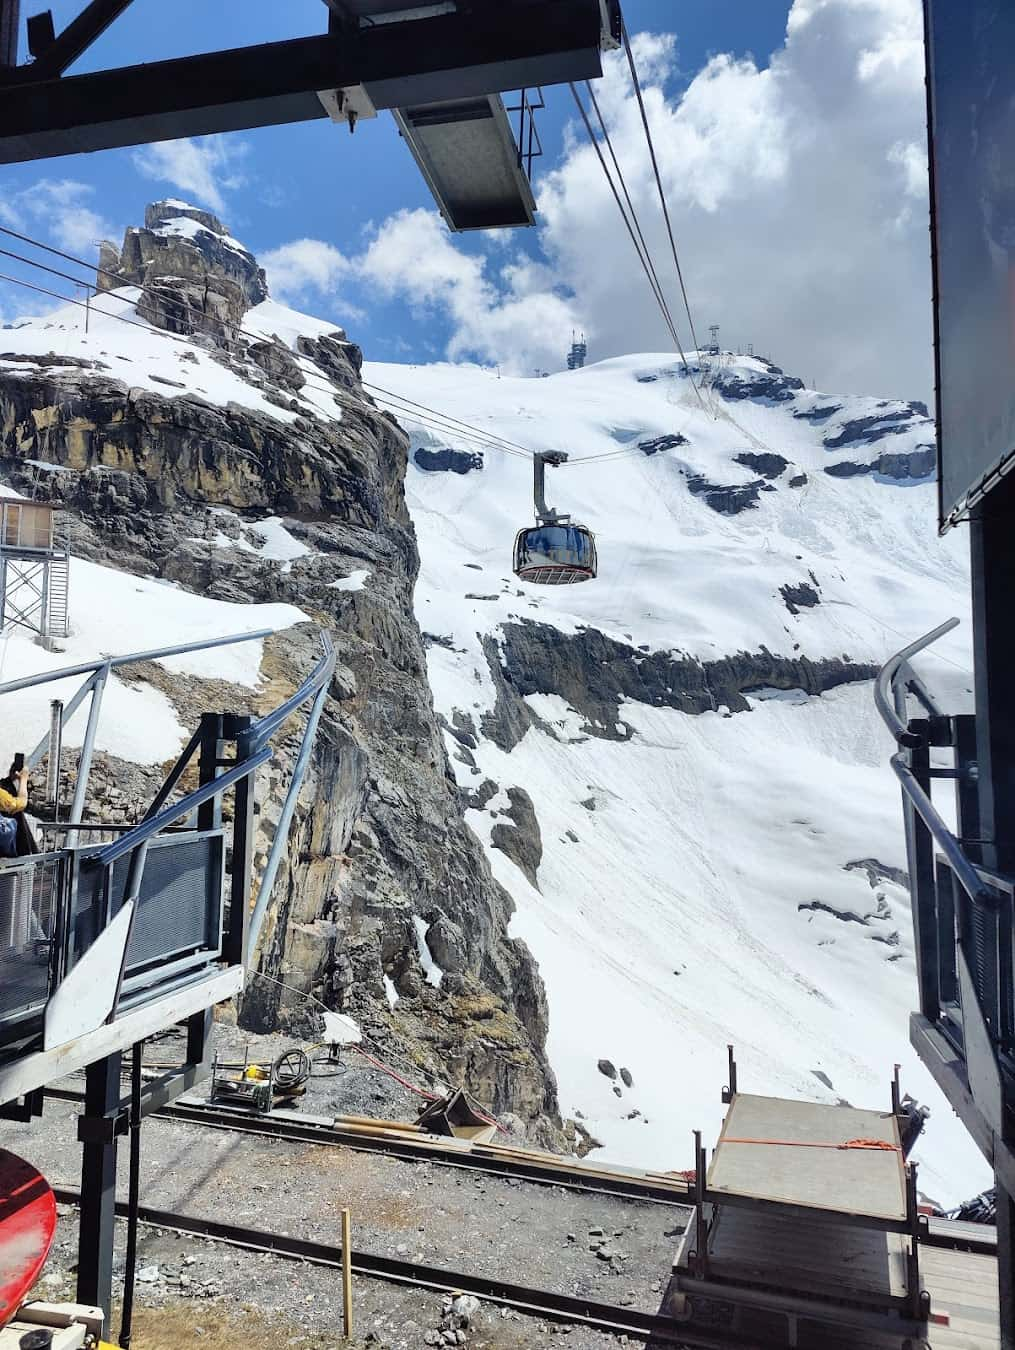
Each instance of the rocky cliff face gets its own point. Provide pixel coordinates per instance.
(163, 474)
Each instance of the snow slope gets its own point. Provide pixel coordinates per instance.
(686, 907)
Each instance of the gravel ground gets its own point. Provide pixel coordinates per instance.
(350, 1087)
(534, 1235)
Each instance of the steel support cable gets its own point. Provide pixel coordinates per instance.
(399, 403)
(658, 177)
(630, 205)
(201, 315)
(480, 438)
(447, 417)
(352, 404)
(406, 407)
(647, 267)
(659, 298)
(409, 408)
(412, 409)
(445, 425)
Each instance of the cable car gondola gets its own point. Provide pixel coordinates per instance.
(554, 551)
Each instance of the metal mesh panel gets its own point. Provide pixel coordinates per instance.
(181, 898)
(29, 898)
(981, 954)
(179, 909)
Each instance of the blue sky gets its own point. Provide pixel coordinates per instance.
(313, 180)
(792, 143)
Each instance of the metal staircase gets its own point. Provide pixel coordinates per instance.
(58, 596)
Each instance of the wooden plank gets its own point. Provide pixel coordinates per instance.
(790, 1153)
(964, 1286)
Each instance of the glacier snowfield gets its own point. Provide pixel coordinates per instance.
(684, 916)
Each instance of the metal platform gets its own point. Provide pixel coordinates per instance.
(466, 151)
(793, 1154)
(862, 1267)
(806, 1229)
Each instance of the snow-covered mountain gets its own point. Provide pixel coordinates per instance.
(722, 851)
(676, 770)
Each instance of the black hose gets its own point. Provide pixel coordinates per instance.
(291, 1070)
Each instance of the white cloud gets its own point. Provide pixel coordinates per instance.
(204, 168)
(61, 210)
(516, 318)
(303, 268)
(798, 198)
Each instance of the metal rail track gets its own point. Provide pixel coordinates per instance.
(544, 1174)
(944, 1233)
(310, 1132)
(652, 1328)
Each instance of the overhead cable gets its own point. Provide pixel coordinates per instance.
(658, 177)
(431, 419)
(491, 437)
(630, 206)
(646, 268)
(647, 265)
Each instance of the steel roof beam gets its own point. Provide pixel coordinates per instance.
(428, 60)
(10, 17)
(77, 37)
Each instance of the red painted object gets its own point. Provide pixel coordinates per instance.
(27, 1227)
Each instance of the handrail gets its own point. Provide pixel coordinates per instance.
(112, 662)
(315, 685)
(964, 870)
(887, 674)
(949, 845)
(139, 833)
(263, 729)
(281, 836)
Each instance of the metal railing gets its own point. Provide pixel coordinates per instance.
(175, 875)
(97, 674)
(890, 697)
(959, 905)
(30, 896)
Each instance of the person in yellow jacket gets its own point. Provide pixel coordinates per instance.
(14, 803)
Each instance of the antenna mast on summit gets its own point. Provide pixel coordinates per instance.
(578, 353)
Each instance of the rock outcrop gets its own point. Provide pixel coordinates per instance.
(173, 485)
(768, 386)
(888, 420)
(900, 466)
(594, 674)
(184, 260)
(447, 461)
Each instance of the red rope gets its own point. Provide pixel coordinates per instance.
(427, 1096)
(873, 1144)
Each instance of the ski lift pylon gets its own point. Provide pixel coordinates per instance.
(555, 551)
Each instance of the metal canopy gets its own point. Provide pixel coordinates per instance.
(441, 68)
(466, 152)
